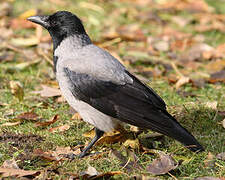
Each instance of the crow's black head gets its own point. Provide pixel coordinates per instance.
(60, 25)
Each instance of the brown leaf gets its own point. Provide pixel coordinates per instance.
(48, 91)
(210, 161)
(59, 154)
(221, 156)
(181, 44)
(59, 128)
(10, 164)
(162, 165)
(21, 24)
(196, 52)
(220, 51)
(30, 116)
(45, 155)
(11, 123)
(182, 81)
(217, 77)
(217, 65)
(215, 25)
(47, 123)
(190, 5)
(8, 172)
(131, 32)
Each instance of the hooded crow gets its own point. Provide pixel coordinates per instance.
(100, 88)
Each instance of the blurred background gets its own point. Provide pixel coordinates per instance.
(175, 46)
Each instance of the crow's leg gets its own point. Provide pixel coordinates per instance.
(98, 135)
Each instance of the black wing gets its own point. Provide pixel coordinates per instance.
(134, 103)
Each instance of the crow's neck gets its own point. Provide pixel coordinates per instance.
(76, 41)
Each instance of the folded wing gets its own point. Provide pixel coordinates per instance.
(133, 103)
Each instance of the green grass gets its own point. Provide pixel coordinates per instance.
(190, 111)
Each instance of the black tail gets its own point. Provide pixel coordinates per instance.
(183, 136)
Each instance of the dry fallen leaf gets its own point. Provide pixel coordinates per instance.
(59, 154)
(10, 123)
(162, 165)
(196, 52)
(8, 172)
(21, 24)
(215, 66)
(10, 164)
(190, 5)
(17, 89)
(182, 81)
(89, 173)
(30, 116)
(211, 105)
(217, 77)
(108, 138)
(221, 156)
(48, 91)
(59, 128)
(45, 155)
(47, 123)
(210, 161)
(223, 123)
(131, 33)
(76, 116)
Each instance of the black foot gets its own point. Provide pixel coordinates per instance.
(98, 135)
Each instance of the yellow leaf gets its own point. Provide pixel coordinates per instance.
(90, 134)
(28, 13)
(133, 143)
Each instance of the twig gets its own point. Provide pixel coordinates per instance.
(176, 69)
(172, 176)
(110, 43)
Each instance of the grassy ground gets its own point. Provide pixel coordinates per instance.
(19, 141)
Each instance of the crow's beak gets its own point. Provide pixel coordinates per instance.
(42, 20)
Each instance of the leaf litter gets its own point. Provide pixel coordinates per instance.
(164, 164)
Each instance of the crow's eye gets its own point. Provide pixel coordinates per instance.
(53, 23)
